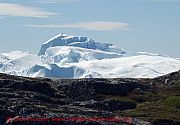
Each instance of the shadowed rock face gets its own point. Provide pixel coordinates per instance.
(67, 98)
(86, 89)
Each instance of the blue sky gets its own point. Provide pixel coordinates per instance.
(135, 25)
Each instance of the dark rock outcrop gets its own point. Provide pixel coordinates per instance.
(86, 89)
(109, 105)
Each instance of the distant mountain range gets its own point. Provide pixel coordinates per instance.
(66, 56)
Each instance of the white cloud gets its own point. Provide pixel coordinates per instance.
(10, 9)
(98, 25)
(57, 1)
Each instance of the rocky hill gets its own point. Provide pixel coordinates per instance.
(141, 101)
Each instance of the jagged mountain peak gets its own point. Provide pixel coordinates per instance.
(78, 41)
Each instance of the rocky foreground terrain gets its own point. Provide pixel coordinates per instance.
(131, 101)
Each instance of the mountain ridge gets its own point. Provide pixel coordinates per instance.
(92, 59)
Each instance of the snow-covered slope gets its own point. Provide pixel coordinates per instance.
(80, 57)
(69, 54)
(16, 62)
(142, 66)
(15, 54)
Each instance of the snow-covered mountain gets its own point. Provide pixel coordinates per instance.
(15, 63)
(67, 56)
(78, 41)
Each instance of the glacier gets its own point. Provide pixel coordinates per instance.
(67, 56)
